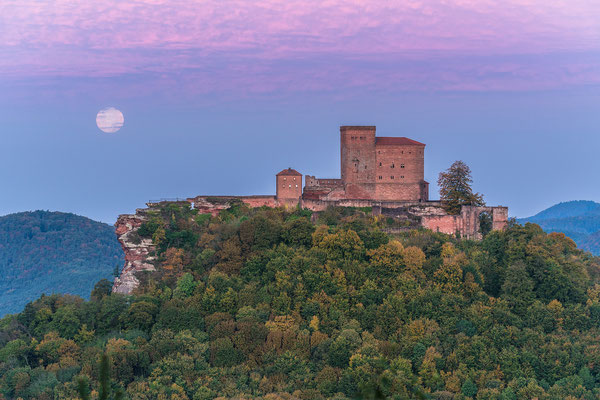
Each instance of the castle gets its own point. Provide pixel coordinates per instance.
(372, 168)
(385, 174)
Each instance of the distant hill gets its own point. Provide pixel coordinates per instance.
(576, 208)
(52, 252)
(580, 220)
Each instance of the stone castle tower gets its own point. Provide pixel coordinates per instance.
(374, 168)
(289, 186)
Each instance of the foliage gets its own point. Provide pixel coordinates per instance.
(265, 303)
(580, 220)
(52, 252)
(455, 188)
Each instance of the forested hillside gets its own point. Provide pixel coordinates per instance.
(264, 303)
(579, 220)
(52, 252)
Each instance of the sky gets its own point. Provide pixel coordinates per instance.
(220, 95)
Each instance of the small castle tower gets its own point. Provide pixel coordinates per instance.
(289, 186)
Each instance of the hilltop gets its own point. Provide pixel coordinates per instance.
(579, 220)
(52, 252)
(286, 304)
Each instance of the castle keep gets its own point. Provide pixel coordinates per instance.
(374, 168)
(386, 174)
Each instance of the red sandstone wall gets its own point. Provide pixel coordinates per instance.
(289, 187)
(360, 191)
(448, 224)
(499, 218)
(390, 160)
(260, 201)
(357, 146)
(467, 223)
(399, 172)
(398, 191)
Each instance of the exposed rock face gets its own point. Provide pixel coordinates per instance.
(139, 252)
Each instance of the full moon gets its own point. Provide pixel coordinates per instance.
(109, 120)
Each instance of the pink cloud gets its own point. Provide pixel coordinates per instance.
(244, 41)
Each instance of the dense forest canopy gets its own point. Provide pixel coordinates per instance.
(52, 252)
(277, 304)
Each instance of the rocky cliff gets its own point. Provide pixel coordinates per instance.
(139, 252)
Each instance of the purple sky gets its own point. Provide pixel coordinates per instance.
(219, 95)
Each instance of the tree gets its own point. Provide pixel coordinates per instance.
(455, 188)
(102, 289)
(83, 388)
(185, 285)
(104, 381)
(469, 388)
(104, 378)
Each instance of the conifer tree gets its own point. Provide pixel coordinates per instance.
(455, 188)
(83, 388)
(104, 378)
(104, 390)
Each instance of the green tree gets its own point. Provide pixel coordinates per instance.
(469, 388)
(102, 289)
(83, 388)
(455, 188)
(185, 285)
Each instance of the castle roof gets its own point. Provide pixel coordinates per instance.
(289, 172)
(397, 141)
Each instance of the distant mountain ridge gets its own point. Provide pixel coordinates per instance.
(575, 208)
(53, 252)
(579, 219)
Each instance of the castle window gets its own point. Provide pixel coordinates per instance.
(380, 177)
(402, 177)
(290, 186)
(365, 167)
(294, 178)
(296, 185)
(393, 166)
(401, 165)
(392, 177)
(380, 164)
